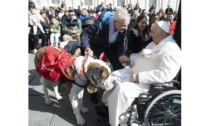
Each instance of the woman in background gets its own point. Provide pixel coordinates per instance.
(139, 36)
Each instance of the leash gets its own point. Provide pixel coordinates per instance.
(82, 69)
(79, 84)
(80, 73)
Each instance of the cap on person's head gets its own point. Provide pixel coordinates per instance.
(88, 21)
(164, 26)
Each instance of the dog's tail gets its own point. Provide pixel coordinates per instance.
(39, 55)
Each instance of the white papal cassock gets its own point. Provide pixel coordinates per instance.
(156, 63)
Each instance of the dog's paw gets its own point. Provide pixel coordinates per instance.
(48, 102)
(84, 110)
(80, 120)
(59, 98)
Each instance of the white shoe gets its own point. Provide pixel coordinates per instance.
(34, 51)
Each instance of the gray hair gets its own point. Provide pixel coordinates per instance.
(121, 14)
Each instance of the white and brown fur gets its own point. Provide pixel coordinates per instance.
(93, 69)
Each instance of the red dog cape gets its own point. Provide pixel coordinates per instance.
(53, 62)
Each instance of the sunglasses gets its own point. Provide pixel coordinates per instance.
(71, 14)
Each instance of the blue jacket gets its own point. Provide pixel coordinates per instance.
(98, 35)
(82, 17)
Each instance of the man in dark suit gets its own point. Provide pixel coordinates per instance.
(169, 10)
(31, 5)
(107, 36)
(100, 8)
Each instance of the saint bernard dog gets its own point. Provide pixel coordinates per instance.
(86, 69)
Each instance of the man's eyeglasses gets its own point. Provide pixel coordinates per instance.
(71, 14)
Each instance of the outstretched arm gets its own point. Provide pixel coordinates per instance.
(88, 32)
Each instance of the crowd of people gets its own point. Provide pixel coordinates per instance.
(52, 24)
(141, 39)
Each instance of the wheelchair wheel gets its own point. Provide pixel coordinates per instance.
(164, 110)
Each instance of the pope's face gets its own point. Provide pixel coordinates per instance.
(155, 33)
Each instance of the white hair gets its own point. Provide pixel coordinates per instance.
(121, 14)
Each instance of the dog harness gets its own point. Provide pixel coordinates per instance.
(56, 60)
(53, 62)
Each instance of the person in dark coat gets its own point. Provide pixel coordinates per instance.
(132, 22)
(139, 37)
(152, 8)
(31, 5)
(108, 37)
(137, 8)
(34, 39)
(168, 10)
(77, 11)
(63, 5)
(154, 18)
(130, 9)
(100, 8)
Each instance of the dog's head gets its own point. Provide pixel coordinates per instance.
(98, 72)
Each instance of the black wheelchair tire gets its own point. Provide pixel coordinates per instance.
(166, 106)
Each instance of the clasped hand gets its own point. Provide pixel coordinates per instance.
(134, 77)
(124, 59)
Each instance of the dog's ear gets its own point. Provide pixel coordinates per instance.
(91, 88)
(105, 73)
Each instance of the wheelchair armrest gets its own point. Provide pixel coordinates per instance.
(175, 82)
(159, 87)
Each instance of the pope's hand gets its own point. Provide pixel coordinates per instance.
(124, 59)
(134, 78)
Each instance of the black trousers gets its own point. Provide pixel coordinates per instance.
(111, 54)
(34, 39)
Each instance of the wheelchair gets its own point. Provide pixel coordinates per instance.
(161, 106)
